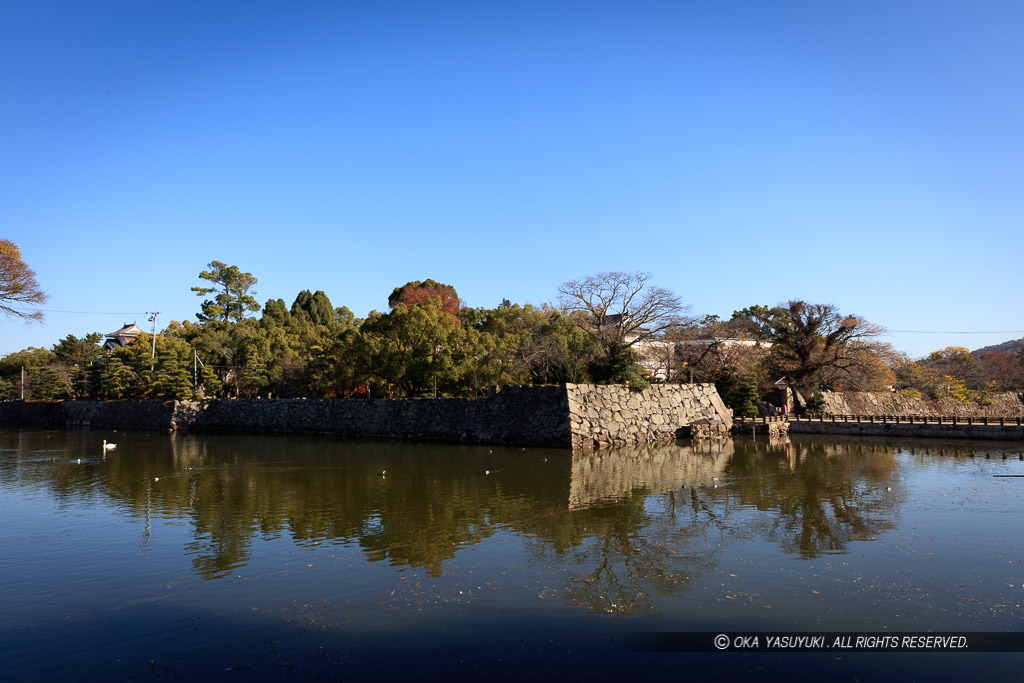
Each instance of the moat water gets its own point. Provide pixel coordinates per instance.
(187, 557)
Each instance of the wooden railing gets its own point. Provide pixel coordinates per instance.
(886, 419)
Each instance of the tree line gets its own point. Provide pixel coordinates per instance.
(615, 328)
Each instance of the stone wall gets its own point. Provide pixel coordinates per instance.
(929, 431)
(573, 415)
(772, 427)
(141, 415)
(602, 415)
(519, 415)
(1002, 404)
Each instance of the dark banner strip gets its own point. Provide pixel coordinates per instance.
(823, 642)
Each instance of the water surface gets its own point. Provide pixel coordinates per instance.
(180, 557)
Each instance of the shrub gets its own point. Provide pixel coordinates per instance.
(910, 393)
(622, 367)
(816, 401)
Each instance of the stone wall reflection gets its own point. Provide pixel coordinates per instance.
(600, 477)
(632, 522)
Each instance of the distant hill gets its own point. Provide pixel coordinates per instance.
(1008, 347)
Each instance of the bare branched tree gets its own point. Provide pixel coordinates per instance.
(19, 291)
(620, 309)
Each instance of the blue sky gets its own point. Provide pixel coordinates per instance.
(864, 154)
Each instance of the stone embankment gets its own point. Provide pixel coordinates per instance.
(934, 429)
(572, 415)
(519, 415)
(775, 427)
(602, 415)
(1001, 404)
(140, 415)
(900, 414)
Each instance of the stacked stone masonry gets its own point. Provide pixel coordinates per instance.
(615, 415)
(573, 415)
(932, 431)
(775, 427)
(995, 404)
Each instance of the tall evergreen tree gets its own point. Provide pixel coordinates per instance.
(315, 309)
(234, 294)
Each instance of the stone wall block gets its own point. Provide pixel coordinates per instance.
(568, 415)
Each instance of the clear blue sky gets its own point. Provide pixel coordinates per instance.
(864, 154)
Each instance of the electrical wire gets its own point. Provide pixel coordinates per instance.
(51, 310)
(957, 332)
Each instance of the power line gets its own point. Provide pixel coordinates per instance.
(957, 332)
(51, 310)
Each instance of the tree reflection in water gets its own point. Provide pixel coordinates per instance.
(823, 495)
(679, 505)
(628, 525)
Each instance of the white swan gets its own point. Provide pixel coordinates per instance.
(108, 446)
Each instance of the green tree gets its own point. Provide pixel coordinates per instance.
(132, 373)
(507, 349)
(137, 357)
(314, 309)
(275, 312)
(308, 349)
(621, 366)
(816, 401)
(113, 379)
(520, 344)
(564, 351)
(215, 347)
(174, 374)
(76, 356)
(809, 340)
(50, 384)
(9, 390)
(35, 362)
(171, 379)
(743, 399)
(409, 349)
(255, 364)
(234, 293)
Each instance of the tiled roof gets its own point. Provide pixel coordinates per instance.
(129, 330)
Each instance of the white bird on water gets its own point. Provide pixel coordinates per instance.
(108, 446)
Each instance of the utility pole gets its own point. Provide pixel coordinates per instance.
(195, 371)
(152, 317)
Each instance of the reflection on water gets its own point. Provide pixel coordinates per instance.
(611, 475)
(434, 500)
(689, 534)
